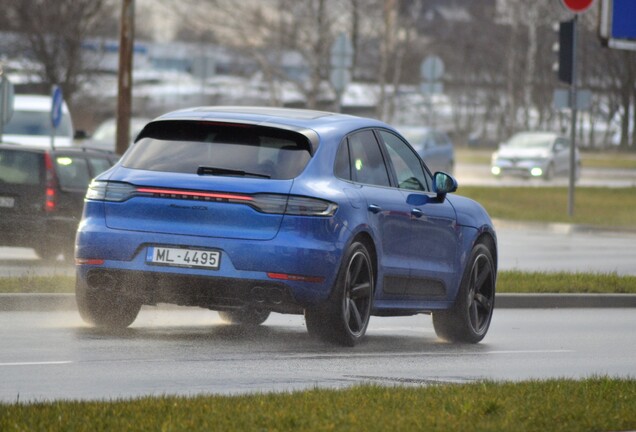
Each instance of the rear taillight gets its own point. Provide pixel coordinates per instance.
(264, 203)
(50, 196)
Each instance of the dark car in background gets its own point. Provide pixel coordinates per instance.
(433, 145)
(42, 195)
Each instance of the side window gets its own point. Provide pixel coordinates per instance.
(408, 168)
(98, 165)
(72, 172)
(367, 163)
(342, 167)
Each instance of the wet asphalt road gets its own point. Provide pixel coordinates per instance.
(54, 355)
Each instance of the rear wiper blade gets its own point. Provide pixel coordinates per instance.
(207, 170)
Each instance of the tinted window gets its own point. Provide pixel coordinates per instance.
(185, 146)
(342, 168)
(98, 165)
(72, 172)
(19, 167)
(408, 168)
(367, 163)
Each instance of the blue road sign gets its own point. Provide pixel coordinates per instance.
(56, 106)
(624, 19)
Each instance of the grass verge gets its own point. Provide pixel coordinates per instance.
(510, 281)
(566, 405)
(602, 207)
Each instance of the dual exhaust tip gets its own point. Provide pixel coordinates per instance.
(267, 295)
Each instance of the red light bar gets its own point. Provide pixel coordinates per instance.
(89, 261)
(215, 195)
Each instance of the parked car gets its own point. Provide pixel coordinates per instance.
(434, 146)
(31, 123)
(105, 135)
(251, 210)
(42, 195)
(534, 154)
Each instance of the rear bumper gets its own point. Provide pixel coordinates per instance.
(242, 278)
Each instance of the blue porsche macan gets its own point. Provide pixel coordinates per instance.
(248, 211)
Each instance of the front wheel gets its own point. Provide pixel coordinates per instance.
(345, 316)
(247, 316)
(469, 318)
(105, 308)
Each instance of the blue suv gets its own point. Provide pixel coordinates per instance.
(252, 210)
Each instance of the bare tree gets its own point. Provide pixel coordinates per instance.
(53, 35)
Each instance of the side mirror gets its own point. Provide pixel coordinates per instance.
(443, 184)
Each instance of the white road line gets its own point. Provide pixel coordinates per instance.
(36, 363)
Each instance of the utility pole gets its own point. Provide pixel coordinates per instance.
(124, 95)
(573, 105)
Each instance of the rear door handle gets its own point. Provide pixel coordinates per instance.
(374, 208)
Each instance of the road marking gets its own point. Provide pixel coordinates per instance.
(36, 363)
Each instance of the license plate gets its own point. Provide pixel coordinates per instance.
(7, 202)
(184, 257)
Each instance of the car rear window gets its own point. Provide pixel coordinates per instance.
(20, 167)
(184, 147)
(72, 172)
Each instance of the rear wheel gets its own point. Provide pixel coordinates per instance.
(345, 316)
(469, 318)
(105, 308)
(247, 316)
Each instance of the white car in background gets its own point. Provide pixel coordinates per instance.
(534, 154)
(31, 123)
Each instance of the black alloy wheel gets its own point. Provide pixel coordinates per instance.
(344, 319)
(469, 319)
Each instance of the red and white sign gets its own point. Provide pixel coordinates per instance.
(577, 6)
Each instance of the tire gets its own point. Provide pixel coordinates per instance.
(549, 173)
(345, 316)
(246, 317)
(469, 318)
(46, 252)
(103, 308)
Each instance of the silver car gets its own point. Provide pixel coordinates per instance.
(534, 154)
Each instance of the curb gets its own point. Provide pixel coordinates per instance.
(65, 302)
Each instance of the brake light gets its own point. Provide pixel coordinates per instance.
(50, 195)
(264, 203)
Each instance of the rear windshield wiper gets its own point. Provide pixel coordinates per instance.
(207, 170)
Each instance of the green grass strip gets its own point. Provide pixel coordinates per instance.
(510, 281)
(565, 405)
(564, 283)
(602, 207)
(37, 284)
